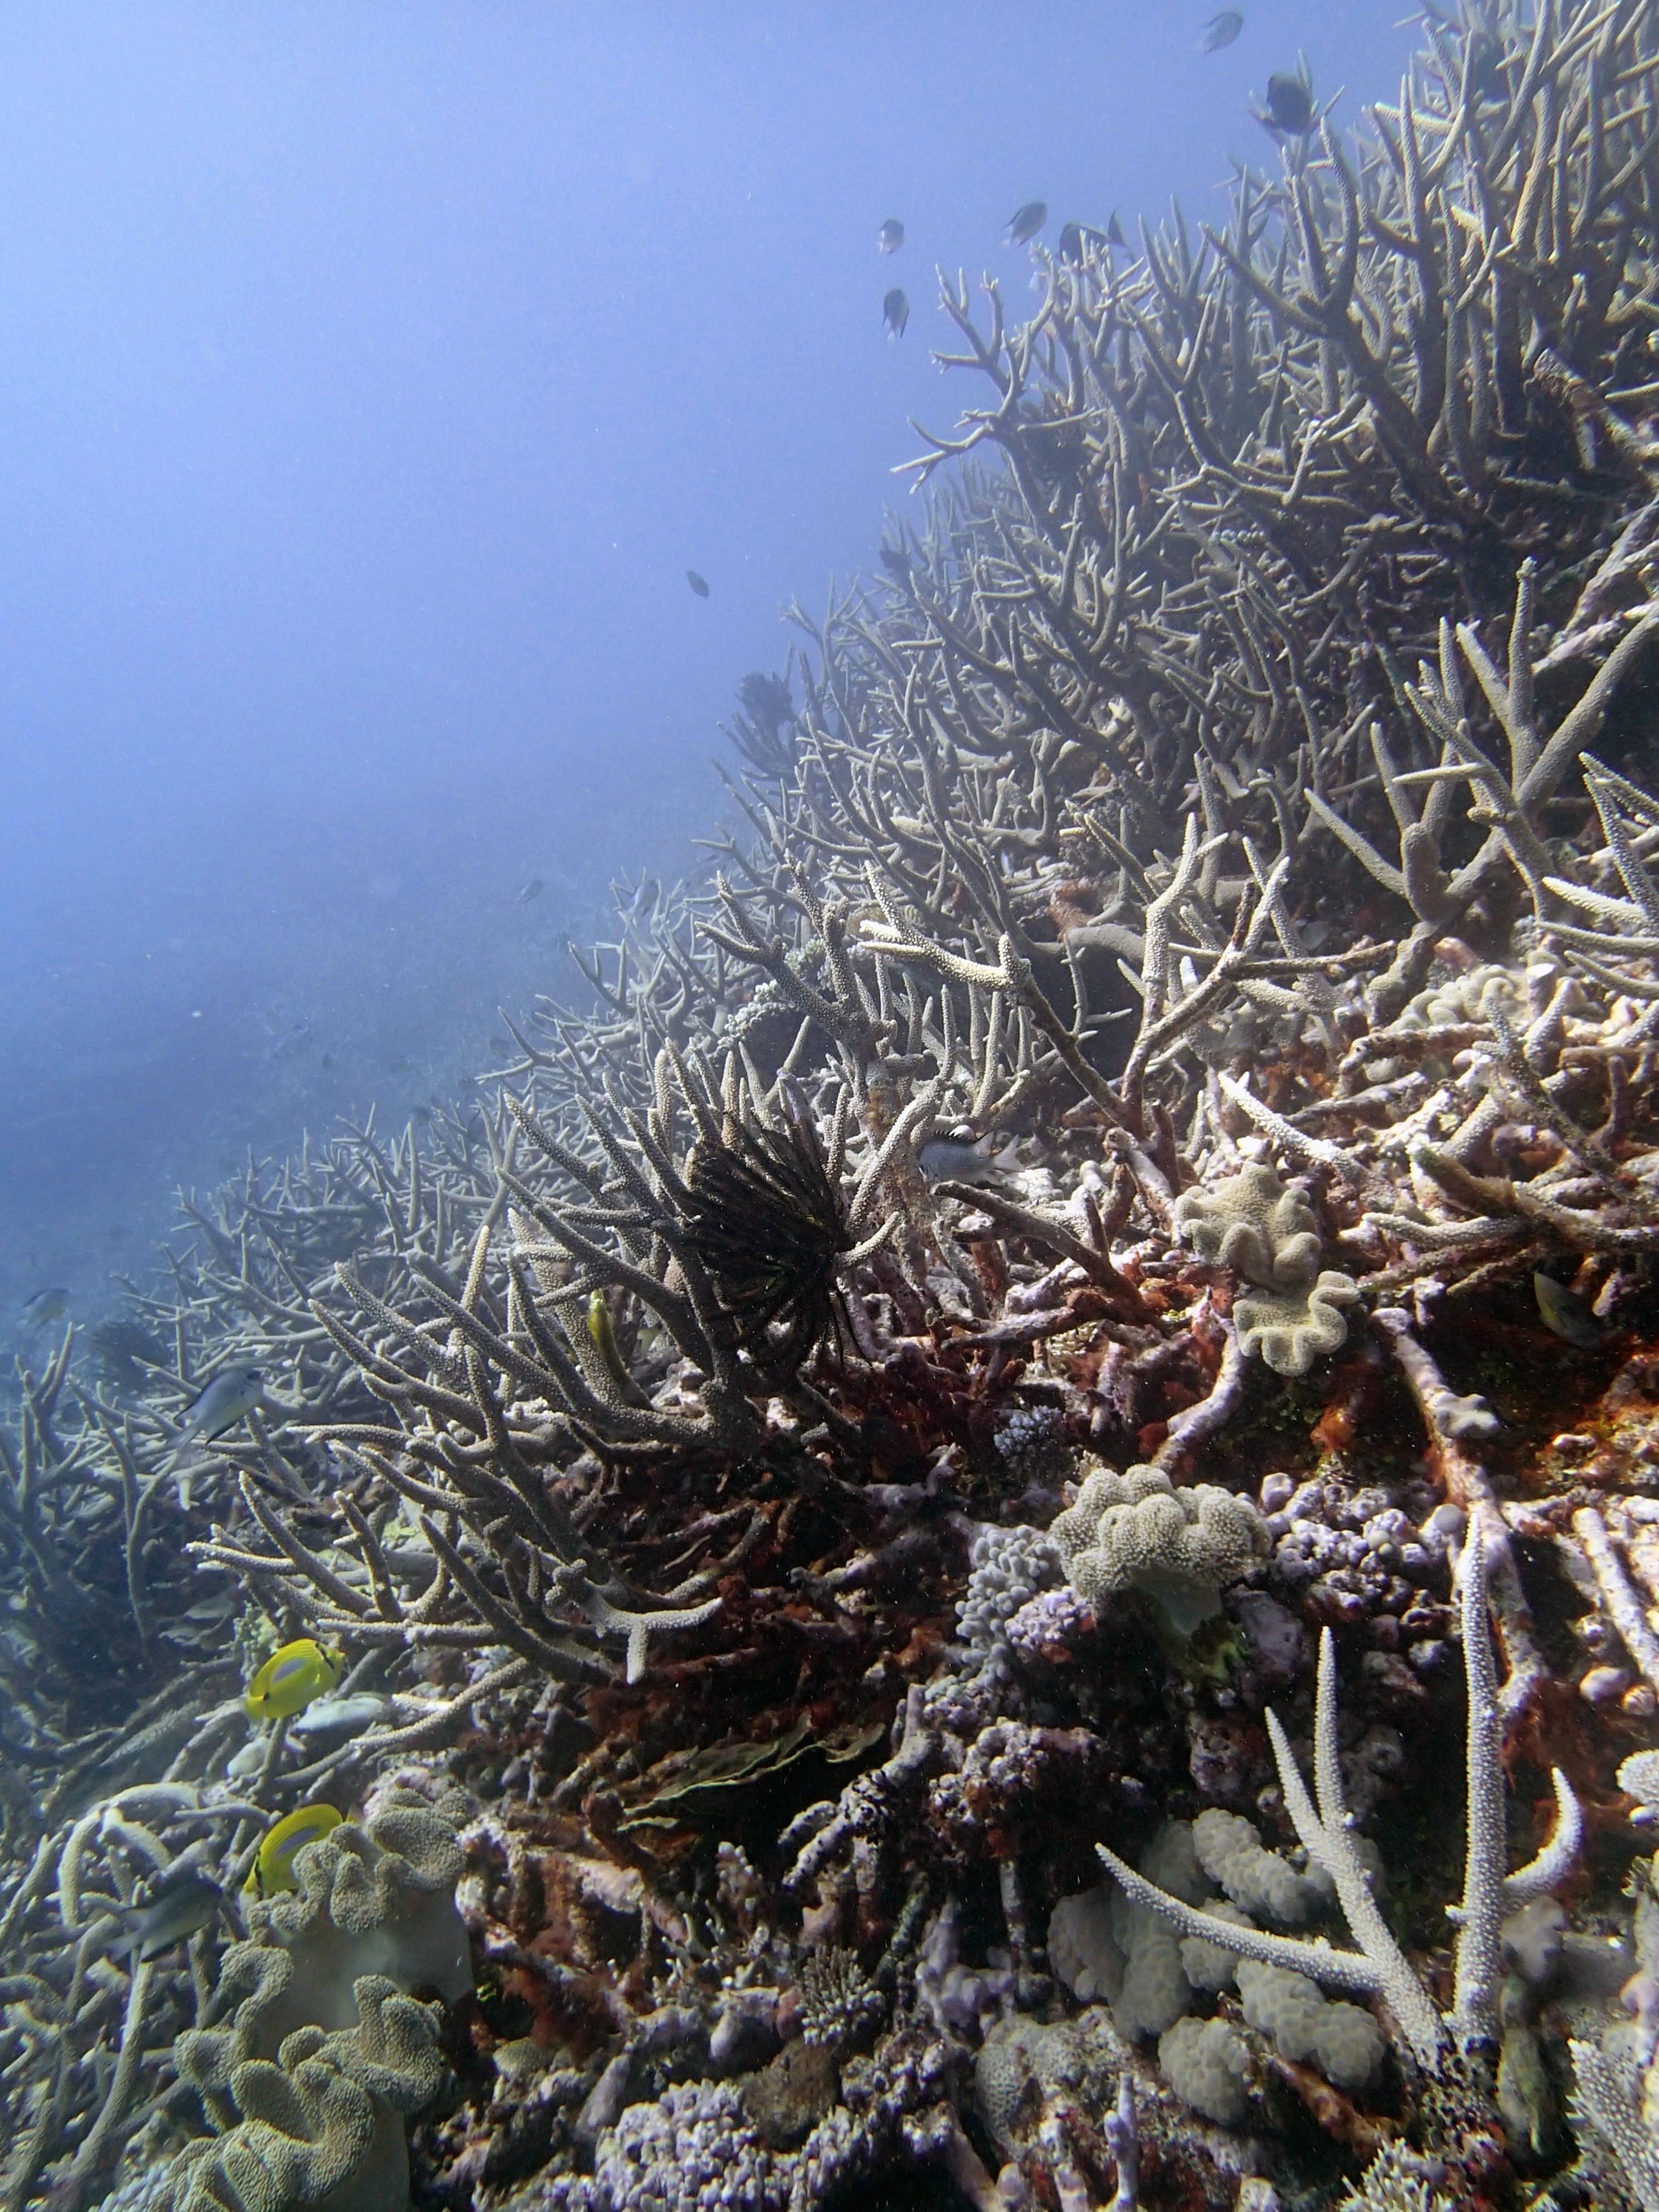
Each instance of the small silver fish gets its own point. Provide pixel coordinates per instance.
(178, 1910)
(212, 1609)
(46, 1306)
(962, 1157)
(1570, 1316)
(230, 1397)
(1026, 222)
(895, 313)
(699, 584)
(532, 890)
(337, 1718)
(1221, 30)
(890, 236)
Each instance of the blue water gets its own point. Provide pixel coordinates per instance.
(370, 377)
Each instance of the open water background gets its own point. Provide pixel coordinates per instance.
(369, 377)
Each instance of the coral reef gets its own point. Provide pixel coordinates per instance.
(1125, 1195)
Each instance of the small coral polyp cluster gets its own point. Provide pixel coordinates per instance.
(1002, 1507)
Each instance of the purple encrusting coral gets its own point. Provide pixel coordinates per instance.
(1116, 1668)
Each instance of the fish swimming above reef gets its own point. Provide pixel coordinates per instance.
(123, 1351)
(699, 584)
(1026, 221)
(273, 1862)
(291, 1678)
(46, 1306)
(890, 236)
(336, 1720)
(895, 313)
(177, 1909)
(601, 1329)
(1483, 63)
(230, 1397)
(1221, 30)
(1571, 1318)
(1288, 110)
(532, 890)
(1075, 237)
(964, 1158)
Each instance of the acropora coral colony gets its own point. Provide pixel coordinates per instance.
(989, 1534)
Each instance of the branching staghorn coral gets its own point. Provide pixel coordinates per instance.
(744, 1232)
(1378, 1966)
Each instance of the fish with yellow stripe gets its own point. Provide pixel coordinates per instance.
(273, 1871)
(291, 1678)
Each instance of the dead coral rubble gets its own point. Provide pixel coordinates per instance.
(811, 1532)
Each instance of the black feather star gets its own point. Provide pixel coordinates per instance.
(768, 1224)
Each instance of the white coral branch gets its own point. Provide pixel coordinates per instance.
(1379, 1967)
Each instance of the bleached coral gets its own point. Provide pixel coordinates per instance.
(1342, 2040)
(1178, 1548)
(1155, 1990)
(1379, 1966)
(1607, 2112)
(1207, 2065)
(1102, 1946)
(1082, 1949)
(1257, 1879)
(1210, 1966)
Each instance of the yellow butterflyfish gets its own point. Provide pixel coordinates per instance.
(291, 1678)
(273, 1862)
